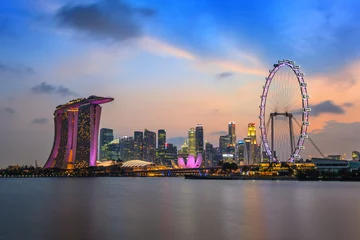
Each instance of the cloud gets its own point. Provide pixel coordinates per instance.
(224, 75)
(219, 133)
(336, 138)
(348, 104)
(107, 19)
(45, 88)
(326, 107)
(15, 69)
(9, 110)
(40, 121)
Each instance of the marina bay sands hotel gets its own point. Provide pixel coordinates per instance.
(76, 133)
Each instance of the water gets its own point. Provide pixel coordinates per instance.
(175, 208)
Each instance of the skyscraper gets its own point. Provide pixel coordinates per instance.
(191, 142)
(76, 133)
(199, 136)
(209, 155)
(138, 145)
(106, 136)
(161, 145)
(252, 136)
(149, 147)
(232, 134)
(127, 148)
(224, 142)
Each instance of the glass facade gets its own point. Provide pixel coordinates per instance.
(138, 145)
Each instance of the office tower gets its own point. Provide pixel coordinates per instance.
(111, 150)
(240, 151)
(149, 147)
(192, 142)
(106, 136)
(209, 155)
(161, 145)
(224, 142)
(199, 136)
(170, 154)
(138, 145)
(76, 133)
(231, 133)
(126, 148)
(252, 135)
(248, 150)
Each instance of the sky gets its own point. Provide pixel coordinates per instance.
(173, 64)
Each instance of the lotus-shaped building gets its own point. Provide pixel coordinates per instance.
(191, 161)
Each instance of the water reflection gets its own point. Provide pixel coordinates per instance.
(174, 208)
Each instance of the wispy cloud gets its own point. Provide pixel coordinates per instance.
(9, 110)
(15, 69)
(224, 75)
(40, 121)
(219, 133)
(45, 88)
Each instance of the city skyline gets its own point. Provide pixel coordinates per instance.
(167, 75)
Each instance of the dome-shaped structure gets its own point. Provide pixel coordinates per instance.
(137, 163)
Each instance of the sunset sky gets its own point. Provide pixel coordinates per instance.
(172, 65)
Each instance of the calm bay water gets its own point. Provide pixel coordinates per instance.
(175, 208)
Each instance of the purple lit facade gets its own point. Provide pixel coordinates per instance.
(76, 133)
(191, 161)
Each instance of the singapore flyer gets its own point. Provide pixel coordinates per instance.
(284, 112)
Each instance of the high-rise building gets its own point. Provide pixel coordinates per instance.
(184, 151)
(161, 145)
(126, 148)
(209, 155)
(247, 150)
(111, 150)
(192, 142)
(170, 154)
(224, 142)
(138, 145)
(252, 135)
(76, 133)
(231, 133)
(106, 136)
(199, 136)
(149, 147)
(240, 151)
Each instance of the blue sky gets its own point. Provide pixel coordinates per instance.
(163, 62)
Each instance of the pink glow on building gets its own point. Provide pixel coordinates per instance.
(191, 161)
(69, 114)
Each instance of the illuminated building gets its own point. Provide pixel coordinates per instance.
(161, 145)
(191, 141)
(231, 133)
(149, 147)
(76, 133)
(335, 157)
(252, 135)
(127, 148)
(184, 151)
(106, 136)
(240, 151)
(170, 154)
(224, 142)
(191, 161)
(111, 150)
(355, 155)
(209, 155)
(247, 150)
(199, 136)
(138, 145)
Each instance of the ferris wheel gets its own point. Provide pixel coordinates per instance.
(284, 101)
